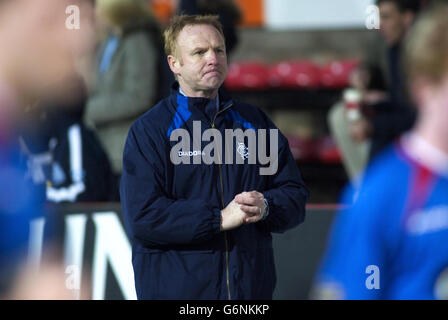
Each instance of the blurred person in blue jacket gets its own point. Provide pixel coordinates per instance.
(39, 57)
(391, 243)
(385, 108)
(65, 156)
(203, 230)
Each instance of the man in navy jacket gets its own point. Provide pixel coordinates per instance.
(200, 193)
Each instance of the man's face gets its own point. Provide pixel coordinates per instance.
(394, 23)
(200, 60)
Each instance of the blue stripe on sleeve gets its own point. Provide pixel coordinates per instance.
(182, 114)
(236, 117)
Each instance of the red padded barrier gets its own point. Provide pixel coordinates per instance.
(246, 75)
(336, 74)
(294, 74)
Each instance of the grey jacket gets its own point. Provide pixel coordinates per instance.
(124, 91)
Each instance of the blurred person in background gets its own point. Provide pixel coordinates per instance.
(227, 10)
(130, 75)
(64, 155)
(39, 57)
(385, 109)
(391, 244)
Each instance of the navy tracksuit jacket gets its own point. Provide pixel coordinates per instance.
(172, 211)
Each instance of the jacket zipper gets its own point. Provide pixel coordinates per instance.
(222, 205)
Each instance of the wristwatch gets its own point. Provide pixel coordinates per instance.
(266, 210)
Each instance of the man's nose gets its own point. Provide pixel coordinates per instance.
(212, 57)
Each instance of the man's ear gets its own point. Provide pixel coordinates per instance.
(174, 64)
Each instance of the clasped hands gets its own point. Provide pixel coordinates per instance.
(245, 208)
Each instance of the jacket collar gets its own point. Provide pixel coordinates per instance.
(199, 103)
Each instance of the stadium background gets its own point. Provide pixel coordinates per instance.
(293, 60)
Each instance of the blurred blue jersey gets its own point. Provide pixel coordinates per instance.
(20, 203)
(392, 242)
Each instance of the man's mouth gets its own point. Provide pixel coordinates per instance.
(213, 72)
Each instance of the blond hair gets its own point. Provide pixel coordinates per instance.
(426, 48)
(120, 12)
(178, 23)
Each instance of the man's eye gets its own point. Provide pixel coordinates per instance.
(199, 52)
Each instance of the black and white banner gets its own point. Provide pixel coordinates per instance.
(97, 251)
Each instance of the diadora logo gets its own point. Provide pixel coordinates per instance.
(190, 153)
(241, 149)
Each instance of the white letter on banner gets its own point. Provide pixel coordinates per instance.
(36, 239)
(111, 243)
(74, 249)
